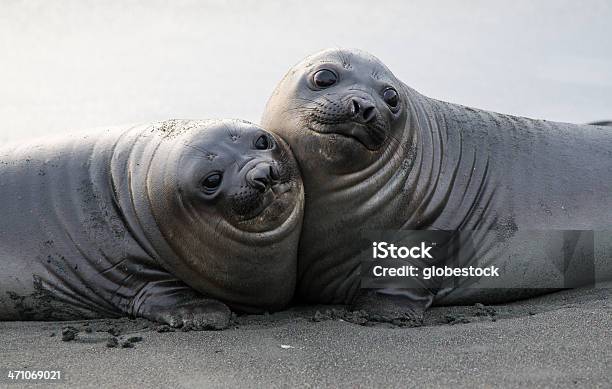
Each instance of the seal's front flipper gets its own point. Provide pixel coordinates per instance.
(196, 314)
(401, 307)
(174, 303)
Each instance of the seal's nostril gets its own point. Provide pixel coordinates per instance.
(262, 182)
(261, 177)
(369, 114)
(355, 107)
(362, 110)
(274, 173)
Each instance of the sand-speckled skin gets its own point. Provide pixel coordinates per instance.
(114, 222)
(429, 164)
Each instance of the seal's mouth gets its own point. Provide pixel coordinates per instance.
(370, 137)
(275, 194)
(272, 205)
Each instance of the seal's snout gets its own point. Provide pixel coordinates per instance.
(262, 176)
(363, 110)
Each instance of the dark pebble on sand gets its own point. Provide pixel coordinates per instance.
(164, 328)
(69, 333)
(113, 331)
(126, 344)
(318, 317)
(52, 334)
(112, 342)
(483, 310)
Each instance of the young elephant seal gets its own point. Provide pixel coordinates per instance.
(377, 155)
(173, 221)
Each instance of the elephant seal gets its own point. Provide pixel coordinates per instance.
(377, 155)
(173, 221)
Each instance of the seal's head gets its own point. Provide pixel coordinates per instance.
(344, 105)
(241, 173)
(227, 197)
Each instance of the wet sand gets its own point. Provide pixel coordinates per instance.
(559, 340)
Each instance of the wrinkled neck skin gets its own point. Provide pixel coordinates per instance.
(407, 186)
(251, 272)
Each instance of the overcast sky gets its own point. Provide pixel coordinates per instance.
(68, 65)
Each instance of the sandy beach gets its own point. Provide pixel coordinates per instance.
(558, 340)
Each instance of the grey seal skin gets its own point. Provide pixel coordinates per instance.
(173, 221)
(377, 155)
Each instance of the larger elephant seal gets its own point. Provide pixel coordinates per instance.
(377, 155)
(173, 221)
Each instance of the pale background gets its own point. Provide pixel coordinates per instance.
(67, 65)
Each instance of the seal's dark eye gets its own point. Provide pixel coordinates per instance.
(263, 142)
(324, 78)
(211, 182)
(391, 97)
